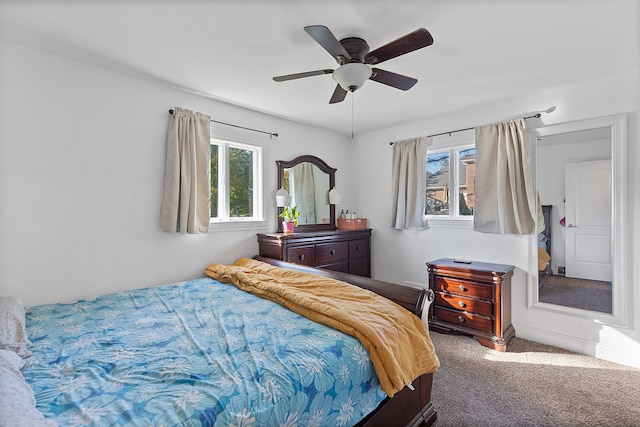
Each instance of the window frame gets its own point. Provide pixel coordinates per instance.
(453, 146)
(224, 220)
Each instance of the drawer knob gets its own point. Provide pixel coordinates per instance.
(462, 288)
(333, 251)
(357, 248)
(461, 304)
(460, 319)
(301, 257)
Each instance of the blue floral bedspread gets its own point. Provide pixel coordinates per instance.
(197, 353)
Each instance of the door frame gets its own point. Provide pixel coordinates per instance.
(621, 301)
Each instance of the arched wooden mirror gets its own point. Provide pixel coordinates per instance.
(308, 180)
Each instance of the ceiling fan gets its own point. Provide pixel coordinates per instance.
(355, 60)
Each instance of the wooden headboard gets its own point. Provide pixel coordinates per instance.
(546, 213)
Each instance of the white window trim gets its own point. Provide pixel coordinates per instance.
(460, 141)
(238, 225)
(223, 222)
(447, 222)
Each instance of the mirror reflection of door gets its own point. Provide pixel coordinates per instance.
(588, 220)
(574, 178)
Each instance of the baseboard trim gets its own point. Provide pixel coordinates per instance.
(607, 352)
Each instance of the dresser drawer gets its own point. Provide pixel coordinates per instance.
(462, 318)
(340, 250)
(358, 248)
(305, 255)
(463, 288)
(342, 267)
(328, 253)
(461, 303)
(359, 267)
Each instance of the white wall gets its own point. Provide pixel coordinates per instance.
(82, 164)
(81, 172)
(400, 256)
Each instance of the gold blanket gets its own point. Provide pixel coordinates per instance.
(398, 344)
(543, 259)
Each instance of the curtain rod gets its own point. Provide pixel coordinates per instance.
(271, 134)
(535, 116)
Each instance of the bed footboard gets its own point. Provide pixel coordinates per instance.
(407, 408)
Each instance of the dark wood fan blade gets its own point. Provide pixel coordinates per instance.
(329, 42)
(302, 75)
(338, 95)
(388, 78)
(412, 41)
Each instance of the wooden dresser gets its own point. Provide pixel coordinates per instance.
(348, 251)
(473, 298)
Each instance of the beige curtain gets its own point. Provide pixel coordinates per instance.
(304, 192)
(186, 203)
(409, 184)
(505, 200)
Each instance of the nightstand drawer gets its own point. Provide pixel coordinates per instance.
(305, 255)
(463, 287)
(463, 318)
(332, 252)
(461, 303)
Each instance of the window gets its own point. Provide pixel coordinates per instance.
(236, 182)
(450, 183)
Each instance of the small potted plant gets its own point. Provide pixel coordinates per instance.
(289, 217)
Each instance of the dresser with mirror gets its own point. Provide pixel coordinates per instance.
(316, 241)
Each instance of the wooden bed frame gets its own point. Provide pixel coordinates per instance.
(543, 275)
(408, 407)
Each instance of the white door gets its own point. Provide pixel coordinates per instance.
(588, 220)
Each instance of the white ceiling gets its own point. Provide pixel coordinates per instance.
(484, 50)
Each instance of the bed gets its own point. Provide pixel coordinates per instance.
(204, 352)
(544, 247)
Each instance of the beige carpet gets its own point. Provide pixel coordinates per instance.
(577, 293)
(530, 384)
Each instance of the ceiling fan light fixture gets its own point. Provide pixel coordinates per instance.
(352, 76)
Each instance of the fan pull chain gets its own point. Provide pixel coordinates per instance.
(352, 96)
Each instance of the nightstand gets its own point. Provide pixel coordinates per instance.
(473, 298)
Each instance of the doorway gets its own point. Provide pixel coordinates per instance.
(588, 251)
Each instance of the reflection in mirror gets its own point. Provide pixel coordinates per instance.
(575, 228)
(308, 180)
(308, 185)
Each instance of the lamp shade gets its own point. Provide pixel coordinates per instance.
(282, 198)
(334, 196)
(352, 76)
